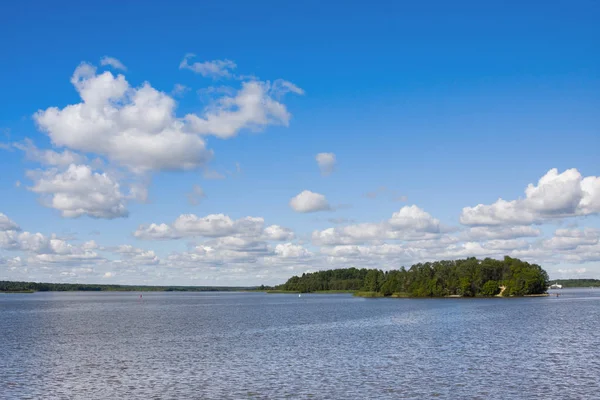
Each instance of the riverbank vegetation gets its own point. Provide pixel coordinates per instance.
(30, 287)
(577, 283)
(466, 278)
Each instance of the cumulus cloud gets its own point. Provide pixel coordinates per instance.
(307, 201)
(290, 250)
(155, 232)
(243, 253)
(501, 232)
(81, 191)
(48, 157)
(112, 62)
(326, 163)
(252, 107)
(136, 256)
(279, 233)
(557, 195)
(135, 127)
(213, 226)
(6, 224)
(414, 218)
(409, 223)
(214, 69)
(571, 239)
(216, 225)
(572, 271)
(47, 249)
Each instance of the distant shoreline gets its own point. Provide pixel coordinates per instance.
(31, 287)
(12, 287)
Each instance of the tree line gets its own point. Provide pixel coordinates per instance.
(468, 277)
(8, 286)
(578, 282)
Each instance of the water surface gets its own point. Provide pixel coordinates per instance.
(255, 345)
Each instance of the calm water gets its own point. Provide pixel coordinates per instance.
(254, 345)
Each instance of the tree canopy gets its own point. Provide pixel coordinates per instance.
(469, 277)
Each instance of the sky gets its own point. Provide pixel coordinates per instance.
(241, 143)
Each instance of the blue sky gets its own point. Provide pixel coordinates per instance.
(420, 109)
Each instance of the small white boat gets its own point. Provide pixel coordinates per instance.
(555, 286)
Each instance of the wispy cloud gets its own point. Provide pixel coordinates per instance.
(112, 62)
(215, 69)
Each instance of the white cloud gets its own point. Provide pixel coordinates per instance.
(136, 256)
(90, 245)
(215, 69)
(196, 195)
(179, 89)
(211, 226)
(501, 232)
(279, 87)
(47, 250)
(414, 218)
(216, 225)
(326, 162)
(307, 201)
(135, 127)
(6, 224)
(80, 191)
(351, 234)
(571, 239)
(13, 240)
(155, 232)
(252, 108)
(562, 195)
(279, 233)
(48, 157)
(572, 271)
(112, 62)
(290, 250)
(410, 223)
(236, 243)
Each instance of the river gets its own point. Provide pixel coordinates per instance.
(268, 346)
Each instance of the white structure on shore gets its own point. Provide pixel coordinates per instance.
(555, 286)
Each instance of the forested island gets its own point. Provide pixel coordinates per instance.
(466, 278)
(30, 287)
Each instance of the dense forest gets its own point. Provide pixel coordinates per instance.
(578, 282)
(469, 278)
(6, 286)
